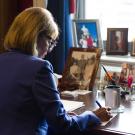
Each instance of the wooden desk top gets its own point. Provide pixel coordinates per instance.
(122, 124)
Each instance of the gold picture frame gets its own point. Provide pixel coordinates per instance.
(80, 69)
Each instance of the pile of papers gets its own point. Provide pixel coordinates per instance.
(74, 94)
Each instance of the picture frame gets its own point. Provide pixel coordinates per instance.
(81, 69)
(117, 41)
(87, 33)
(133, 48)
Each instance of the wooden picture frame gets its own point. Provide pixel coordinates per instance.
(117, 41)
(81, 69)
(87, 33)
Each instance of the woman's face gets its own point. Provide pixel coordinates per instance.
(42, 46)
(45, 45)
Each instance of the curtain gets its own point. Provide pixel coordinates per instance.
(60, 11)
(80, 9)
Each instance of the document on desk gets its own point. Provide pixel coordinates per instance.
(71, 105)
(106, 122)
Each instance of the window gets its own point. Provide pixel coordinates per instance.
(113, 14)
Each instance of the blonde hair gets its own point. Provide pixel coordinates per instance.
(27, 26)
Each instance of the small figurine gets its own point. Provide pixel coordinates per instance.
(130, 81)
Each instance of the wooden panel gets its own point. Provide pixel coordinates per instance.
(8, 10)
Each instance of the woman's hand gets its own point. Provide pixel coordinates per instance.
(103, 113)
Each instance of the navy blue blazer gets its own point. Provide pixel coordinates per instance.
(29, 99)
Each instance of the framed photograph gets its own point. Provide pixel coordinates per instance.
(133, 48)
(87, 33)
(117, 41)
(81, 69)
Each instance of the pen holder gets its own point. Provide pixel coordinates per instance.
(112, 96)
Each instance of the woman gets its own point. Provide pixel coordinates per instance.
(29, 100)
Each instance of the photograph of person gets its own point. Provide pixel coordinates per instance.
(30, 102)
(117, 41)
(87, 33)
(87, 40)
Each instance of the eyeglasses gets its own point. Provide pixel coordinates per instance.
(52, 43)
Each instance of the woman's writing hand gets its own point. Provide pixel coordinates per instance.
(103, 113)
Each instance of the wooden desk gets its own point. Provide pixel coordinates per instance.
(122, 124)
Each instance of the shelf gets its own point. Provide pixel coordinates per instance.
(116, 60)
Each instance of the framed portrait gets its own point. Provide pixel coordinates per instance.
(87, 33)
(80, 69)
(117, 41)
(133, 48)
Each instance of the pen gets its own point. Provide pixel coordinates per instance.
(98, 104)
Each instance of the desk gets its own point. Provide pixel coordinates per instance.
(122, 124)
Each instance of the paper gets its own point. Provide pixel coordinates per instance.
(82, 92)
(69, 93)
(75, 92)
(106, 122)
(72, 105)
